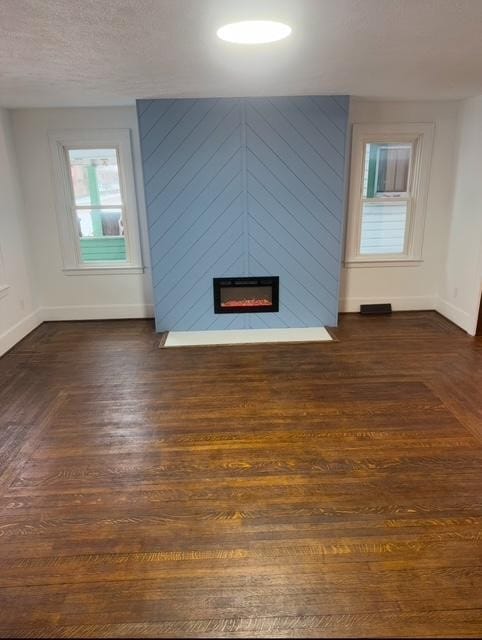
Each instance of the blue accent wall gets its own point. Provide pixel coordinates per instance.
(246, 186)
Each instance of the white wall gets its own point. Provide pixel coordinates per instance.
(66, 297)
(429, 285)
(462, 277)
(18, 305)
(411, 287)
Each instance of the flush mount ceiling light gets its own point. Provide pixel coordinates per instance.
(254, 31)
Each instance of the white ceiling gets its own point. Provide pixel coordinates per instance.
(109, 52)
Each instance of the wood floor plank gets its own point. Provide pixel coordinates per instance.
(302, 490)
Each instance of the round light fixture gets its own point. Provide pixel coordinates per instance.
(254, 31)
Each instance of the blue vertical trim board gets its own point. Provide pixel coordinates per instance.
(245, 186)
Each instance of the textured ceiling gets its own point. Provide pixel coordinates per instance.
(109, 52)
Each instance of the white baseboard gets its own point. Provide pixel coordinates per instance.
(403, 303)
(457, 315)
(121, 311)
(98, 312)
(9, 338)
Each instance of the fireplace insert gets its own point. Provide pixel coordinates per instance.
(246, 294)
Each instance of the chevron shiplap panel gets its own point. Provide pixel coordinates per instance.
(295, 187)
(192, 161)
(249, 186)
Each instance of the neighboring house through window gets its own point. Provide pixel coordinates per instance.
(388, 191)
(96, 201)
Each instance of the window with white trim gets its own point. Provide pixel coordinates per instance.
(390, 168)
(96, 202)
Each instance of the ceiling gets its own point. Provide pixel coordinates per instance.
(110, 52)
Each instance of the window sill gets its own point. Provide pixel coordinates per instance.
(103, 271)
(4, 289)
(404, 262)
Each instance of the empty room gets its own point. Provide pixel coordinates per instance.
(240, 318)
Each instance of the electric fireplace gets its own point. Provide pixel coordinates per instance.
(246, 295)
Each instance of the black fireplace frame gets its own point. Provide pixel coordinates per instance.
(247, 281)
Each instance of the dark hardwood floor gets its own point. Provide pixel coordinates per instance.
(306, 490)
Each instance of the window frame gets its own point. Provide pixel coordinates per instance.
(120, 139)
(420, 136)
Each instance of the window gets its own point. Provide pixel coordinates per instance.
(388, 191)
(97, 204)
(96, 201)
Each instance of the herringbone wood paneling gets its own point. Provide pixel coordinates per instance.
(252, 186)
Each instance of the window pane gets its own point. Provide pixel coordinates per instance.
(101, 235)
(393, 166)
(387, 168)
(100, 222)
(95, 176)
(383, 228)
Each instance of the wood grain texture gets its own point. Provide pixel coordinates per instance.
(283, 490)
